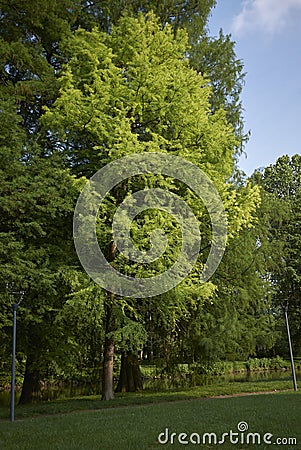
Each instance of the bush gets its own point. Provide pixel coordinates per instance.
(276, 363)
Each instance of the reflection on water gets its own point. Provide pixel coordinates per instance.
(73, 390)
(67, 390)
(207, 380)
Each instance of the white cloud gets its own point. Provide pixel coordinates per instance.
(268, 16)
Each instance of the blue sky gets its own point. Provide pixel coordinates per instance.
(268, 40)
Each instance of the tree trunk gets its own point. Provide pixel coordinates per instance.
(107, 375)
(109, 347)
(108, 356)
(130, 379)
(31, 382)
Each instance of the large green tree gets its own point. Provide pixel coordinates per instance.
(121, 95)
(32, 54)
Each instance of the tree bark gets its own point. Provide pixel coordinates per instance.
(108, 356)
(31, 382)
(107, 375)
(109, 347)
(130, 379)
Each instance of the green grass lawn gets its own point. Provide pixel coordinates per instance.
(137, 427)
(145, 397)
(134, 422)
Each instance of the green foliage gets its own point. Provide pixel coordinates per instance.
(213, 56)
(81, 321)
(192, 14)
(30, 32)
(36, 206)
(281, 185)
(276, 363)
(216, 58)
(156, 102)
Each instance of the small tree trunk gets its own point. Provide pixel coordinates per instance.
(107, 375)
(130, 379)
(31, 382)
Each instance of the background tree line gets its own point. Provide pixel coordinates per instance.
(83, 83)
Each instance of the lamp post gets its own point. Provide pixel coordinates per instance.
(285, 309)
(13, 367)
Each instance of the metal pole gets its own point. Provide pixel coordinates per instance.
(290, 347)
(13, 366)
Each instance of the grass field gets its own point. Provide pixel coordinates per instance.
(134, 422)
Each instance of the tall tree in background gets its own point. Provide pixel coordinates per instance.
(36, 205)
(281, 184)
(30, 32)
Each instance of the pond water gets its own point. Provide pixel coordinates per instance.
(205, 380)
(75, 390)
